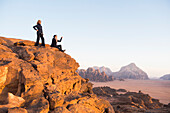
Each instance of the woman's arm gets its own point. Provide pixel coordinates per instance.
(60, 39)
(35, 27)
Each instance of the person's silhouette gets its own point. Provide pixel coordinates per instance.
(54, 43)
(39, 30)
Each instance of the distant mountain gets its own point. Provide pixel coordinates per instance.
(94, 75)
(103, 69)
(130, 71)
(165, 77)
(103, 74)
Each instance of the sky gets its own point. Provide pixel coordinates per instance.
(110, 33)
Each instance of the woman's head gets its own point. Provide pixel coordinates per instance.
(39, 22)
(55, 36)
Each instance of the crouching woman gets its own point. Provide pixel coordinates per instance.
(54, 43)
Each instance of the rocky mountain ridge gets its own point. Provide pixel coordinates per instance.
(94, 75)
(43, 80)
(103, 69)
(165, 77)
(99, 74)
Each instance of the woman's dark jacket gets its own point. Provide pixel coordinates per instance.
(54, 42)
(39, 27)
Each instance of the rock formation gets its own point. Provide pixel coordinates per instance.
(130, 102)
(165, 77)
(103, 69)
(94, 75)
(43, 80)
(103, 74)
(130, 71)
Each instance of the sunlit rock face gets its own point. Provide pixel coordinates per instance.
(44, 80)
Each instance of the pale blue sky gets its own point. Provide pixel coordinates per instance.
(110, 33)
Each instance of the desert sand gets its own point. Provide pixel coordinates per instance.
(158, 89)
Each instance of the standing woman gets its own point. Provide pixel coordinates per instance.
(39, 30)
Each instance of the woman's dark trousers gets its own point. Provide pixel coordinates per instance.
(59, 47)
(40, 35)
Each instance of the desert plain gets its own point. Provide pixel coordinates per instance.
(158, 89)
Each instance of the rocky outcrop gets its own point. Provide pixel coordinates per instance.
(130, 102)
(94, 75)
(103, 69)
(130, 71)
(43, 80)
(105, 91)
(103, 74)
(165, 77)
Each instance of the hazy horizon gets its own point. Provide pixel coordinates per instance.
(118, 69)
(97, 33)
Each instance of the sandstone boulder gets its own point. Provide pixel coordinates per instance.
(13, 101)
(60, 110)
(17, 110)
(42, 80)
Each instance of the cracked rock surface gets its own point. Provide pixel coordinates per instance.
(45, 79)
